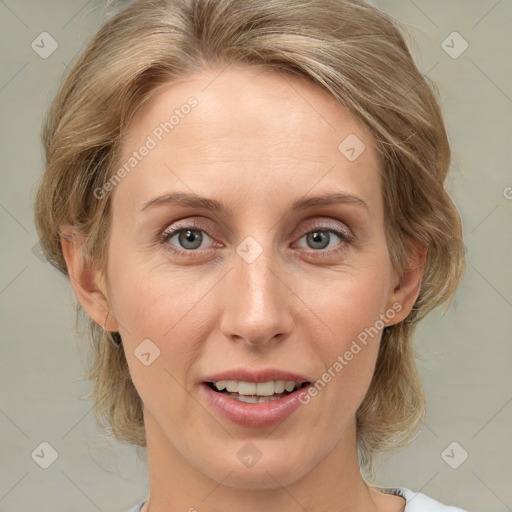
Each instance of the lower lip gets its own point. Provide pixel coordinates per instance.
(253, 415)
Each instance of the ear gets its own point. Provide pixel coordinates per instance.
(407, 286)
(87, 282)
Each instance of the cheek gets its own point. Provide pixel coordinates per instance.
(156, 303)
(351, 310)
(157, 327)
(351, 301)
(166, 307)
(160, 303)
(173, 307)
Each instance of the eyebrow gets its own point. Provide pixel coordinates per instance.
(195, 201)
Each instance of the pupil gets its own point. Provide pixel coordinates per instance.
(317, 237)
(191, 238)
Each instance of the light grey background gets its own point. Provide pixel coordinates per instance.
(465, 355)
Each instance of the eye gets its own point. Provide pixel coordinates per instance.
(187, 238)
(321, 239)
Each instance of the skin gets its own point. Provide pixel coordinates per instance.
(257, 140)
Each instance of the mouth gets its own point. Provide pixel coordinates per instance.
(256, 393)
(253, 405)
(254, 398)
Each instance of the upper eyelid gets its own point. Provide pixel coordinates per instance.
(346, 232)
(327, 227)
(182, 225)
(204, 225)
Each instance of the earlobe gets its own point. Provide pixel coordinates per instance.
(408, 285)
(87, 282)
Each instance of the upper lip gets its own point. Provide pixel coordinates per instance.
(257, 375)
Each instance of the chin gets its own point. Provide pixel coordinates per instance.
(269, 472)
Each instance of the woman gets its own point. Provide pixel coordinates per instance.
(248, 198)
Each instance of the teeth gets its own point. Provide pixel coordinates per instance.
(279, 386)
(251, 388)
(220, 385)
(265, 388)
(289, 386)
(254, 399)
(247, 388)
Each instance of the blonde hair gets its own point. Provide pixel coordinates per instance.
(348, 47)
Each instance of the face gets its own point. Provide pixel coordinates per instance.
(253, 284)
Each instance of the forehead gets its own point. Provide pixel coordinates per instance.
(250, 129)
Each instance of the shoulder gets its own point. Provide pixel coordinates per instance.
(137, 507)
(418, 502)
(415, 502)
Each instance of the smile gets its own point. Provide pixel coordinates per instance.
(254, 393)
(254, 405)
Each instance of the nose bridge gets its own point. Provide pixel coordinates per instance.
(256, 307)
(255, 267)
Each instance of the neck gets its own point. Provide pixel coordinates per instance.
(334, 484)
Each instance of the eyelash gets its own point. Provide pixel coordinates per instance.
(167, 234)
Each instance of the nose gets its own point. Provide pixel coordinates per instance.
(257, 309)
